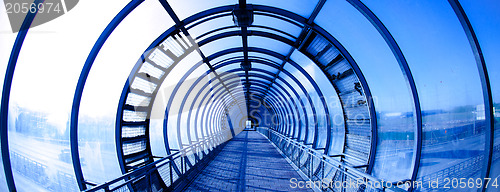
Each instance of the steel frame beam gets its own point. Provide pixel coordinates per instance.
(280, 99)
(244, 38)
(225, 79)
(289, 96)
(81, 84)
(7, 86)
(290, 76)
(263, 84)
(298, 43)
(273, 54)
(191, 107)
(234, 83)
(181, 26)
(219, 102)
(398, 54)
(277, 55)
(209, 133)
(485, 85)
(213, 97)
(286, 59)
(220, 9)
(170, 101)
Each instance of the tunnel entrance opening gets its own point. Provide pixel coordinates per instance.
(250, 125)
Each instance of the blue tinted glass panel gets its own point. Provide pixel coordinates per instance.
(186, 8)
(223, 58)
(292, 114)
(209, 102)
(309, 128)
(391, 95)
(297, 75)
(261, 73)
(265, 67)
(485, 20)
(265, 118)
(42, 96)
(221, 44)
(254, 78)
(164, 94)
(284, 34)
(199, 108)
(318, 105)
(446, 75)
(275, 23)
(280, 122)
(276, 60)
(331, 98)
(7, 40)
(210, 25)
(303, 8)
(3, 184)
(98, 111)
(224, 69)
(300, 113)
(285, 110)
(271, 44)
(182, 93)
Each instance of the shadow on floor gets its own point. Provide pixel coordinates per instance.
(247, 163)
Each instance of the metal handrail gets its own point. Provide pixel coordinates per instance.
(321, 155)
(143, 171)
(338, 165)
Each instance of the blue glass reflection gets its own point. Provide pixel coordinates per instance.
(445, 72)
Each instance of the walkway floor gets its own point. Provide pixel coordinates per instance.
(249, 162)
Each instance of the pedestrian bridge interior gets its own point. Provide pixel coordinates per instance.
(252, 95)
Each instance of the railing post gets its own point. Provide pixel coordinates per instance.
(183, 164)
(299, 157)
(308, 161)
(323, 165)
(170, 171)
(148, 181)
(343, 176)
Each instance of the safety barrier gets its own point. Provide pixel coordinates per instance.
(171, 169)
(325, 172)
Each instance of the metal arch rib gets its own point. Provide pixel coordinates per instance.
(391, 42)
(81, 84)
(7, 84)
(485, 85)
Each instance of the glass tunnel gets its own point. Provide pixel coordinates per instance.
(138, 95)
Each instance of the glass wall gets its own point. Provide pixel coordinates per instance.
(390, 91)
(286, 109)
(448, 84)
(42, 94)
(486, 23)
(295, 108)
(307, 99)
(332, 102)
(7, 38)
(300, 114)
(303, 8)
(184, 8)
(165, 96)
(104, 86)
